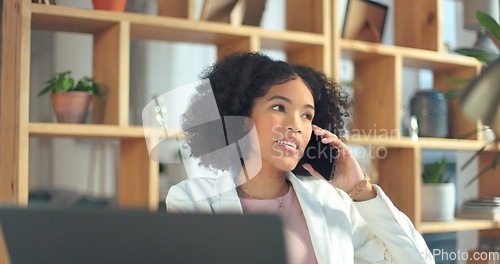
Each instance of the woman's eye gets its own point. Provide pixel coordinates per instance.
(308, 116)
(280, 108)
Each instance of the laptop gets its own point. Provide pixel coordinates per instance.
(128, 236)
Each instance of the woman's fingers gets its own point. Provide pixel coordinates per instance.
(328, 137)
(347, 170)
(343, 152)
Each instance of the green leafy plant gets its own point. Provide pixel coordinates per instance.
(434, 172)
(491, 26)
(63, 82)
(486, 58)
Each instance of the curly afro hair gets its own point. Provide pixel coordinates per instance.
(330, 101)
(236, 81)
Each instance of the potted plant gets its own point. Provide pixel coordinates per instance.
(71, 101)
(438, 194)
(488, 59)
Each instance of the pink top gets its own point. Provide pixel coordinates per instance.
(297, 240)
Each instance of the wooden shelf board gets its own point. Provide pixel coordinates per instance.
(454, 144)
(288, 41)
(433, 60)
(458, 225)
(151, 27)
(415, 58)
(68, 19)
(372, 141)
(171, 29)
(448, 143)
(360, 50)
(111, 131)
(85, 130)
(97, 131)
(425, 143)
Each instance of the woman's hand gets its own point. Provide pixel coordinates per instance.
(347, 173)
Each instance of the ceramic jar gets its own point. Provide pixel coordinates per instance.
(431, 110)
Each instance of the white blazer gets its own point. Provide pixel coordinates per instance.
(342, 231)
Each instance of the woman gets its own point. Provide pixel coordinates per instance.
(344, 220)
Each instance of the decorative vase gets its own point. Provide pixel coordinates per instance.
(111, 5)
(71, 107)
(438, 201)
(431, 110)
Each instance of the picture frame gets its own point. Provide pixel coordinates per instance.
(364, 20)
(248, 12)
(217, 10)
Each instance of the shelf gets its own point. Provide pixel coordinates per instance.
(424, 143)
(449, 144)
(372, 141)
(146, 27)
(98, 131)
(86, 131)
(67, 19)
(276, 40)
(360, 50)
(150, 27)
(110, 131)
(458, 225)
(416, 58)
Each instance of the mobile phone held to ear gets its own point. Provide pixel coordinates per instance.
(320, 156)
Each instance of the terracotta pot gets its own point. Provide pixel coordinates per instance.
(111, 5)
(71, 107)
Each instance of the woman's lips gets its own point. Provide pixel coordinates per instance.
(290, 145)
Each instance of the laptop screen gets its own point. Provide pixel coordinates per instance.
(127, 236)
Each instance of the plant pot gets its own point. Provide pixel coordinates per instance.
(438, 201)
(71, 107)
(111, 5)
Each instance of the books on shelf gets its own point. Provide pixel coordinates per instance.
(481, 208)
(494, 216)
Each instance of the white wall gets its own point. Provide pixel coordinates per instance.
(467, 240)
(66, 163)
(40, 153)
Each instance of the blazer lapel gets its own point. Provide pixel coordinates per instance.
(227, 202)
(329, 224)
(221, 195)
(315, 219)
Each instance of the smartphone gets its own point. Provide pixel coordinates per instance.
(320, 156)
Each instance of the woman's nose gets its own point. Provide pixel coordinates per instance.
(294, 125)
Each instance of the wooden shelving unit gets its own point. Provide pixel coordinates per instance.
(458, 225)
(312, 37)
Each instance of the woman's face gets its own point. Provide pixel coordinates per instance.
(283, 120)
